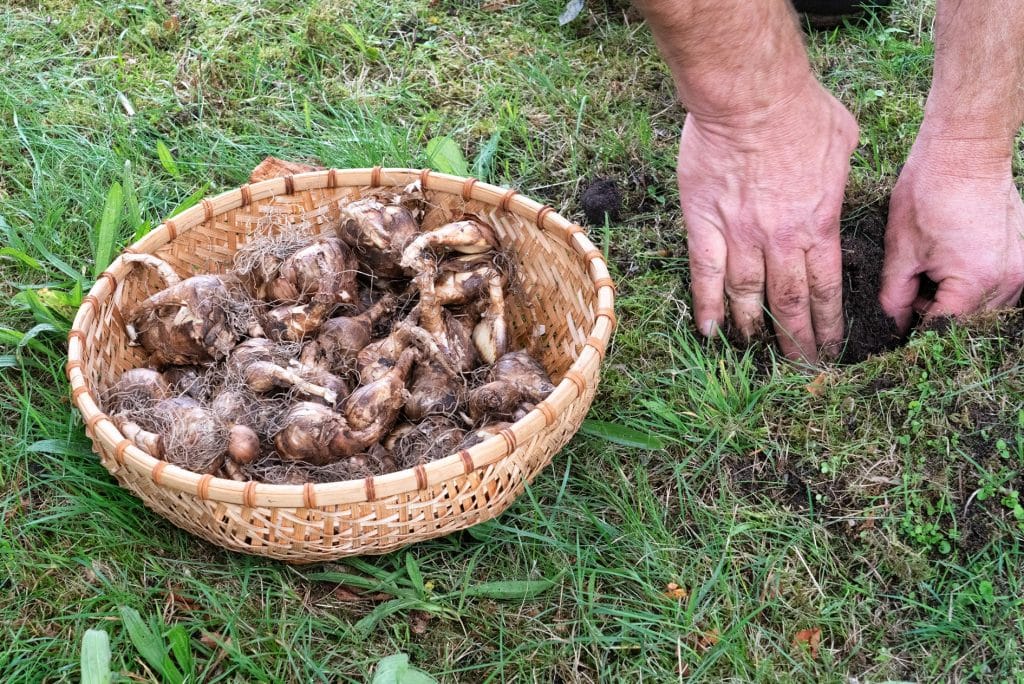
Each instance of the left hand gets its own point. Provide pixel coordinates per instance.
(960, 225)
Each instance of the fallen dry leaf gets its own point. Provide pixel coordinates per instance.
(343, 593)
(706, 640)
(272, 167)
(418, 621)
(175, 603)
(770, 588)
(817, 386)
(809, 638)
(213, 640)
(674, 591)
(218, 643)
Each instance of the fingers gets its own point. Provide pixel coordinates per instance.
(825, 283)
(956, 296)
(744, 284)
(707, 271)
(789, 299)
(900, 284)
(901, 267)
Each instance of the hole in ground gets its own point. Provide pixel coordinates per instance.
(868, 329)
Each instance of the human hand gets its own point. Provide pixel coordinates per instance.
(958, 220)
(761, 194)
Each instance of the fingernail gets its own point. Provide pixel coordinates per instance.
(707, 329)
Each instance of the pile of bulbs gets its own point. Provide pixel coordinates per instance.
(320, 359)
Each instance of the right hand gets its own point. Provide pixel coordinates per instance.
(761, 195)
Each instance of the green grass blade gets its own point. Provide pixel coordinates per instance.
(132, 210)
(357, 38)
(190, 201)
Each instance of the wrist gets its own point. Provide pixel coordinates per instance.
(787, 118)
(950, 148)
(752, 104)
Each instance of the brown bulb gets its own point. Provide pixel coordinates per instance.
(377, 232)
(243, 444)
(187, 323)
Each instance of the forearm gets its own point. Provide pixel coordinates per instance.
(976, 104)
(730, 58)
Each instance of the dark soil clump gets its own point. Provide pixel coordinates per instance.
(868, 329)
(602, 198)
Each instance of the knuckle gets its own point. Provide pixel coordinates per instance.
(789, 303)
(703, 269)
(826, 292)
(745, 291)
(890, 303)
(787, 238)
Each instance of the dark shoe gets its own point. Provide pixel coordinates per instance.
(824, 14)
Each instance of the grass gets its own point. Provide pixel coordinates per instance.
(879, 503)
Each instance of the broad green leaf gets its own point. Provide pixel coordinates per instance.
(369, 622)
(510, 590)
(415, 576)
(620, 434)
(142, 230)
(107, 229)
(48, 306)
(150, 646)
(370, 584)
(359, 41)
(444, 155)
(397, 670)
(8, 361)
(20, 256)
(181, 647)
(485, 157)
(35, 332)
(61, 303)
(190, 201)
(13, 338)
(166, 160)
(59, 447)
(95, 657)
(571, 11)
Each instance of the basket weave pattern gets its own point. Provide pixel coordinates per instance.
(560, 307)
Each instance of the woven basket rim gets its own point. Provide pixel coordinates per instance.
(252, 493)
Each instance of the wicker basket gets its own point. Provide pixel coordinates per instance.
(561, 310)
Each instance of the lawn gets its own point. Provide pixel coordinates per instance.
(863, 524)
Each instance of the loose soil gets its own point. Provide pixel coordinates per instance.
(868, 329)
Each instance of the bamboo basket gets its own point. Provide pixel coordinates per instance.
(561, 309)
